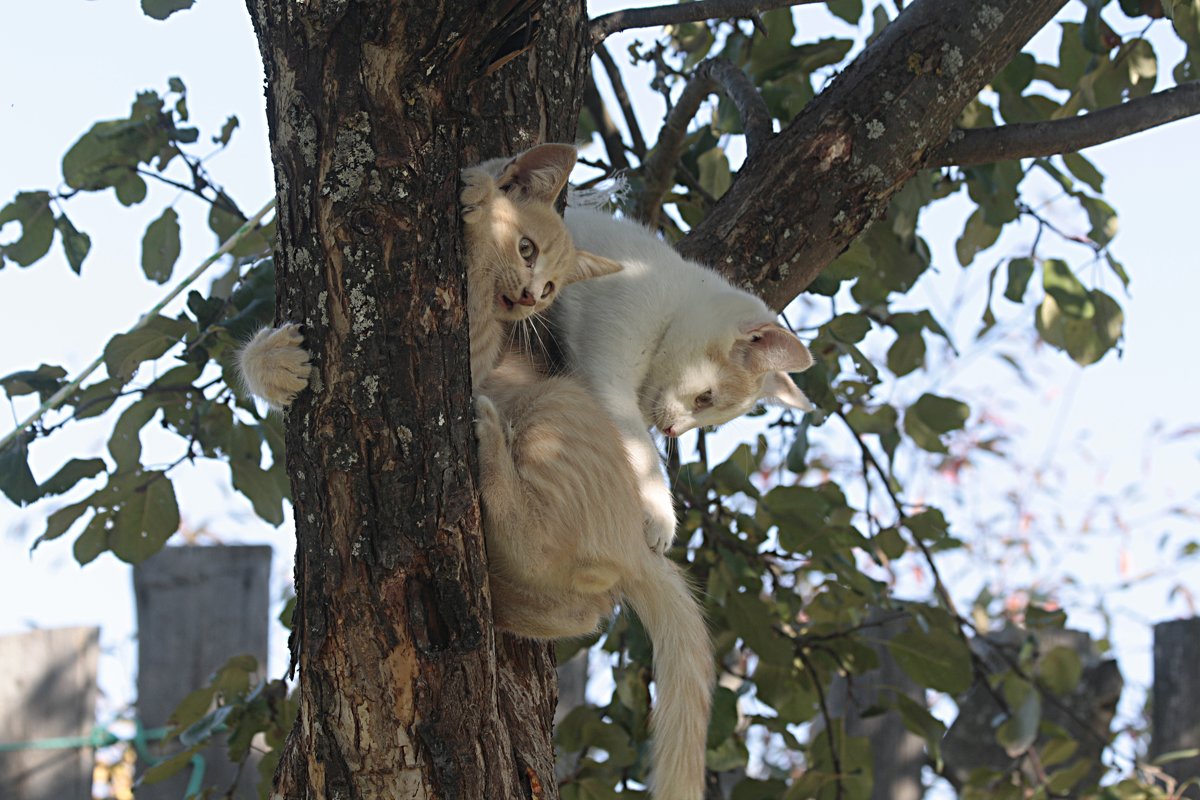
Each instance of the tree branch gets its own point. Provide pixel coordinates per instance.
(604, 125)
(814, 187)
(636, 140)
(605, 26)
(659, 166)
(1033, 139)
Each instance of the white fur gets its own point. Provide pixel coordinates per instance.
(651, 339)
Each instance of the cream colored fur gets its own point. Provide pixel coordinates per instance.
(564, 530)
(562, 515)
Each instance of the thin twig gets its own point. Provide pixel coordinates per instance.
(1033, 139)
(835, 759)
(608, 24)
(62, 394)
(636, 140)
(938, 585)
(605, 125)
(659, 166)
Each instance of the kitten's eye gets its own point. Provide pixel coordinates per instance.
(527, 249)
(703, 400)
(548, 290)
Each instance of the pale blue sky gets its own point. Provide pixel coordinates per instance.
(69, 63)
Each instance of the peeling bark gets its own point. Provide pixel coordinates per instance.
(374, 107)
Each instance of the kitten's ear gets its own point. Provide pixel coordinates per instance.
(539, 173)
(780, 388)
(590, 265)
(770, 347)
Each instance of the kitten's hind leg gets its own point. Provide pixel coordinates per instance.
(273, 364)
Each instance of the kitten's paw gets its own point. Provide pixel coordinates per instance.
(659, 518)
(274, 366)
(478, 189)
(487, 417)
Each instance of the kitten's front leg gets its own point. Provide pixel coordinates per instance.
(658, 506)
(273, 364)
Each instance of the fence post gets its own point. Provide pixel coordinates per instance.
(897, 755)
(196, 608)
(48, 691)
(1175, 718)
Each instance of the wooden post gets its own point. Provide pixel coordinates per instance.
(897, 755)
(48, 691)
(196, 608)
(1175, 720)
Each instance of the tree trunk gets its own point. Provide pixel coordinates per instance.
(374, 107)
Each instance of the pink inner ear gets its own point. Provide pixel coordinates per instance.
(773, 347)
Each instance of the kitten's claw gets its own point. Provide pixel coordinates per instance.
(478, 188)
(274, 366)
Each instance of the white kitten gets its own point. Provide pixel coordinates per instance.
(670, 344)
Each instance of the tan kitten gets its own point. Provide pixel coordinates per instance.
(563, 522)
(519, 255)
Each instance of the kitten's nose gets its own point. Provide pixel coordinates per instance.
(526, 298)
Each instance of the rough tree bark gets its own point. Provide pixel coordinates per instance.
(374, 107)
(836, 166)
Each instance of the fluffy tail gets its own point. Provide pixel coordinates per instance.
(683, 674)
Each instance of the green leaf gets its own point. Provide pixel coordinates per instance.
(1085, 340)
(976, 236)
(109, 153)
(32, 211)
(1060, 670)
(161, 9)
(94, 539)
(1057, 751)
(261, 486)
(145, 520)
(890, 543)
(70, 474)
(847, 10)
(125, 443)
(880, 420)
(168, 768)
(126, 351)
(160, 247)
(16, 479)
(1061, 284)
(724, 717)
(192, 707)
(1018, 733)
(224, 218)
(61, 520)
(929, 525)
(76, 245)
(1062, 781)
(930, 417)
(227, 131)
(850, 328)
(937, 659)
(906, 354)
(44, 380)
(1103, 219)
(1020, 270)
(715, 176)
(1084, 170)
